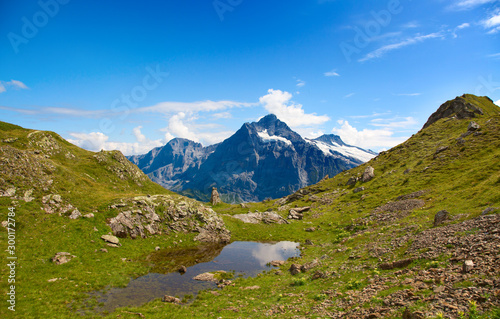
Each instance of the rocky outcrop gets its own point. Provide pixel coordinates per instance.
(458, 107)
(144, 216)
(215, 198)
(368, 174)
(440, 217)
(265, 217)
(117, 163)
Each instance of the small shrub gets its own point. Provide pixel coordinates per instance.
(353, 284)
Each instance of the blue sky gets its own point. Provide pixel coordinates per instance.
(130, 76)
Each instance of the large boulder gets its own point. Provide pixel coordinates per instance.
(145, 216)
(215, 198)
(368, 174)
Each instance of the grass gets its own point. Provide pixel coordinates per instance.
(463, 180)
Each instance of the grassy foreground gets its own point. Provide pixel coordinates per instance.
(350, 234)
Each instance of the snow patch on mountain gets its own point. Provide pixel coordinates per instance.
(346, 150)
(267, 138)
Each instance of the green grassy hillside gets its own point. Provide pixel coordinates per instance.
(371, 249)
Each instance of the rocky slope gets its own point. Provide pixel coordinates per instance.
(265, 159)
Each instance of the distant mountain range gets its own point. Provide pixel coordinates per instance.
(263, 159)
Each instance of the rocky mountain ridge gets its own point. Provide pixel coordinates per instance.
(264, 159)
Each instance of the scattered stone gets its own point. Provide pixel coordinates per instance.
(311, 229)
(157, 248)
(467, 266)
(215, 198)
(396, 264)
(111, 239)
(460, 141)
(182, 269)
(53, 279)
(294, 269)
(473, 126)
(359, 189)
(319, 275)
(440, 217)
(208, 276)
(368, 174)
(308, 242)
(62, 258)
(95, 229)
(89, 215)
(104, 250)
(439, 289)
(9, 192)
(251, 288)
(27, 196)
(441, 149)
(277, 263)
(489, 210)
(298, 212)
(352, 181)
(171, 299)
(310, 265)
(5, 224)
(75, 214)
(243, 205)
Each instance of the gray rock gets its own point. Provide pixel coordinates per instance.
(368, 174)
(310, 265)
(458, 107)
(473, 126)
(182, 269)
(265, 217)
(352, 181)
(440, 217)
(489, 210)
(441, 149)
(467, 266)
(294, 269)
(215, 198)
(89, 215)
(62, 258)
(9, 192)
(171, 299)
(75, 214)
(277, 263)
(359, 189)
(111, 239)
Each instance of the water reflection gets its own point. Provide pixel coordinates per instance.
(244, 258)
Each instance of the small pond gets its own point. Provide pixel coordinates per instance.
(245, 259)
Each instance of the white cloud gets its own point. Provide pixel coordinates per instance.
(331, 73)
(222, 115)
(15, 84)
(349, 95)
(492, 23)
(18, 84)
(96, 141)
(366, 138)
(469, 4)
(460, 27)
(387, 48)
(200, 106)
(397, 122)
(279, 103)
(300, 83)
(497, 102)
(177, 128)
(494, 56)
(183, 126)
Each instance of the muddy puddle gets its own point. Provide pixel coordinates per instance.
(245, 259)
